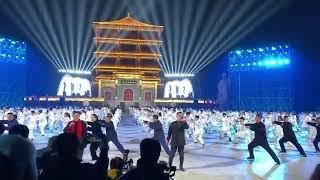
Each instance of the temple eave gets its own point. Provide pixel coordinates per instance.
(113, 78)
(126, 53)
(127, 21)
(105, 67)
(127, 27)
(99, 40)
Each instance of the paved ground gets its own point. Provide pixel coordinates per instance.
(220, 159)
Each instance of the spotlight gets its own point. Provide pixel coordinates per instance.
(238, 52)
(286, 61)
(272, 62)
(174, 75)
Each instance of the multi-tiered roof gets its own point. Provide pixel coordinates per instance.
(127, 47)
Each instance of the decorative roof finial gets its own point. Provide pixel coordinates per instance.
(128, 14)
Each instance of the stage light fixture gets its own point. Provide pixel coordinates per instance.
(286, 61)
(175, 75)
(269, 58)
(68, 71)
(12, 51)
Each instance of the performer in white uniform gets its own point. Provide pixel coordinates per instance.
(20, 117)
(312, 131)
(31, 124)
(51, 119)
(198, 131)
(65, 120)
(83, 115)
(225, 129)
(189, 132)
(243, 132)
(277, 133)
(42, 122)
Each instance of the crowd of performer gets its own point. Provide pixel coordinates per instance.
(254, 129)
(52, 120)
(257, 129)
(230, 125)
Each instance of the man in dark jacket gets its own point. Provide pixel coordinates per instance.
(288, 135)
(112, 134)
(260, 139)
(176, 134)
(10, 122)
(317, 139)
(159, 133)
(95, 136)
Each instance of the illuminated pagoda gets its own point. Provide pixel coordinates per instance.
(129, 53)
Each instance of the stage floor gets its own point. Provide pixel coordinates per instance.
(220, 159)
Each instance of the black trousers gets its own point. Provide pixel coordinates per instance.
(100, 143)
(294, 141)
(164, 145)
(316, 142)
(93, 149)
(264, 145)
(116, 142)
(173, 153)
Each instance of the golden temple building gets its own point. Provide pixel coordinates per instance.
(129, 53)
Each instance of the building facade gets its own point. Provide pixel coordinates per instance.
(128, 52)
